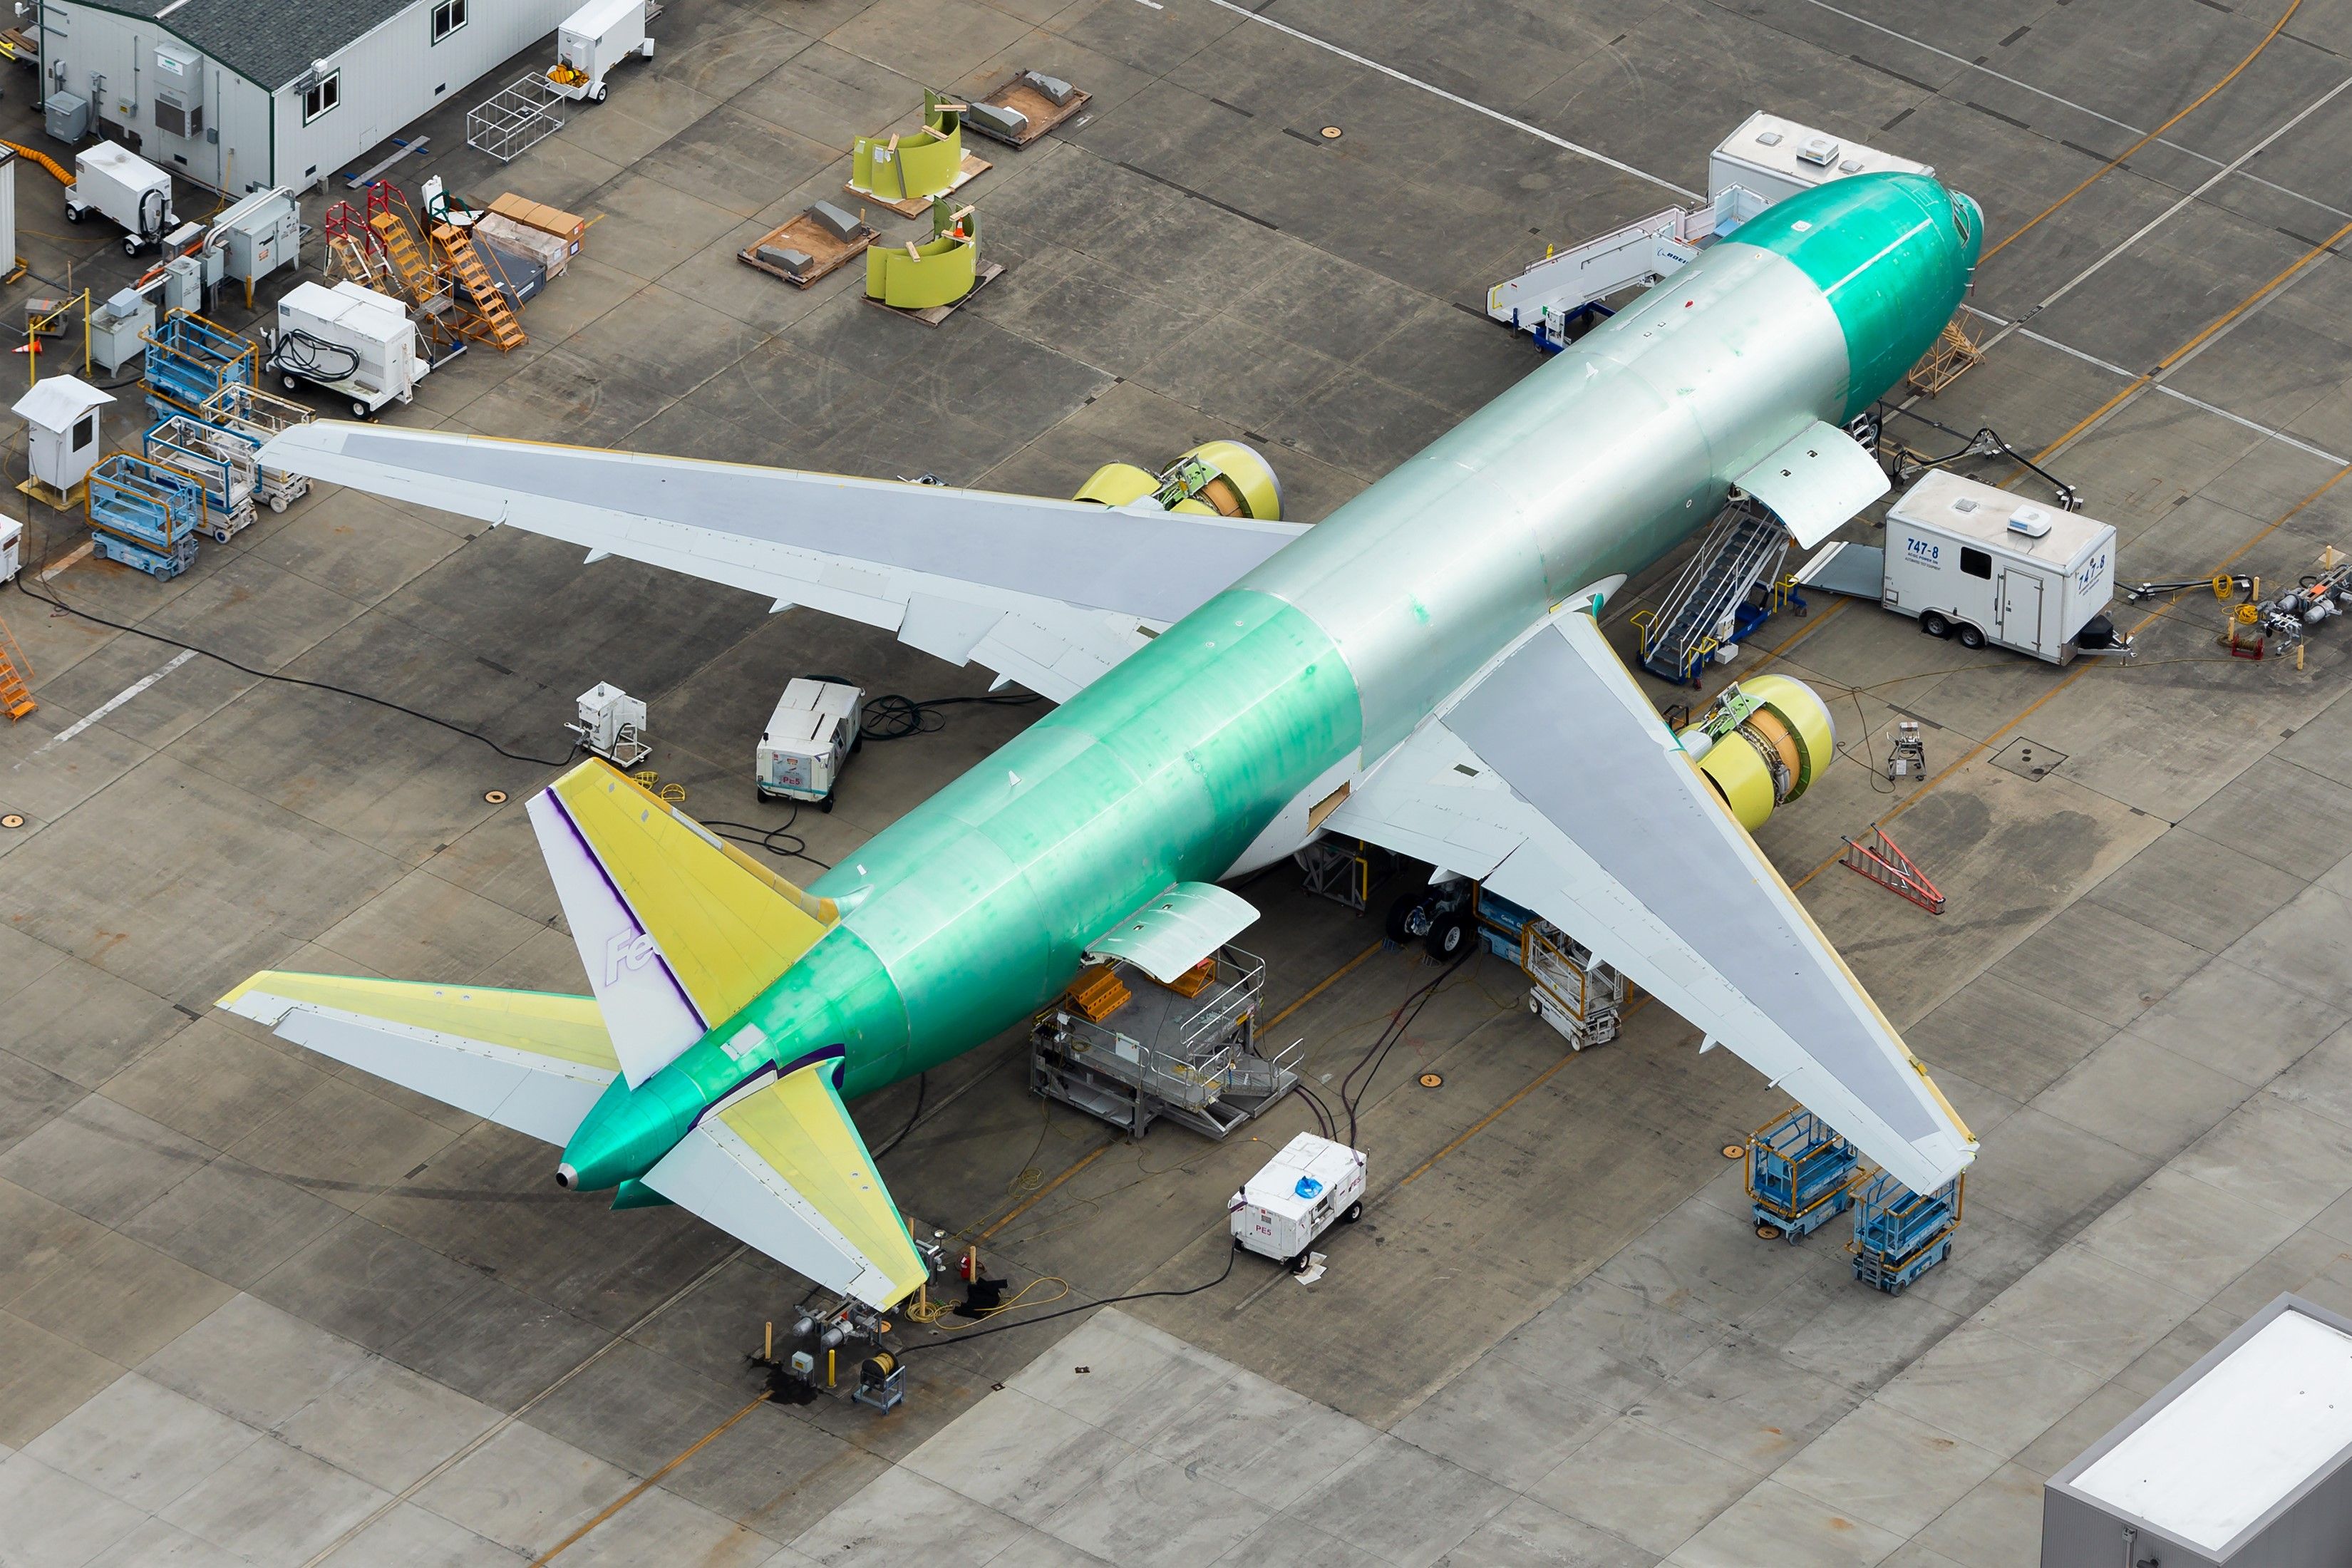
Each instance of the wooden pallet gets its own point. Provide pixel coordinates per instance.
(933, 315)
(973, 168)
(814, 240)
(1043, 112)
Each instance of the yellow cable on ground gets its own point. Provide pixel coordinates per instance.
(2194, 104)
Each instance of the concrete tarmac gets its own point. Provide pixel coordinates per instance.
(259, 1307)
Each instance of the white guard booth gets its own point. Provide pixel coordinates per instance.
(2242, 1462)
(61, 417)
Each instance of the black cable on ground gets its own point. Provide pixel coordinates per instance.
(49, 598)
(972, 1334)
(1352, 1093)
(922, 1082)
(772, 839)
(1314, 1103)
(891, 717)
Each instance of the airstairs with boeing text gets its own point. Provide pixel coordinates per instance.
(1732, 585)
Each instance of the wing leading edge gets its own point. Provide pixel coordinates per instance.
(1047, 593)
(1551, 780)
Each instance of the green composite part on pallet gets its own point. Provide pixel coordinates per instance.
(940, 270)
(1422, 671)
(911, 167)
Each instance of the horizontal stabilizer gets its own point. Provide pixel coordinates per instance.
(784, 1170)
(1175, 930)
(525, 1060)
(677, 929)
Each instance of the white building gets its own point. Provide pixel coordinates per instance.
(235, 94)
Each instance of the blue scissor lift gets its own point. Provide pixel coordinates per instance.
(1799, 1175)
(1899, 1235)
(143, 514)
(190, 360)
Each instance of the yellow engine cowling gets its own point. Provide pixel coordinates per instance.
(1762, 745)
(1216, 478)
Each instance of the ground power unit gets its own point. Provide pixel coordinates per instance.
(808, 740)
(1284, 1210)
(350, 341)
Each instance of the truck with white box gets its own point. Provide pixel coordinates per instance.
(350, 341)
(808, 740)
(1311, 1186)
(1976, 564)
(118, 183)
(592, 40)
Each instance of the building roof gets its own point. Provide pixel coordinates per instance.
(267, 42)
(58, 401)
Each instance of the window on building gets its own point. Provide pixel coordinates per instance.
(321, 96)
(1975, 562)
(448, 15)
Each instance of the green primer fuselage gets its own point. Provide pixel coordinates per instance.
(970, 913)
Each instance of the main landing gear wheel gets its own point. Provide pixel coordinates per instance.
(1447, 936)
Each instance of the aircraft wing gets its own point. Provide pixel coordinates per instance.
(1551, 780)
(1047, 593)
(784, 1169)
(524, 1060)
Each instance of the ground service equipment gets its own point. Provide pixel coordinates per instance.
(1284, 1210)
(591, 41)
(1799, 1175)
(190, 360)
(1424, 669)
(612, 724)
(144, 515)
(1899, 1235)
(349, 341)
(225, 463)
(809, 736)
(118, 183)
(1981, 565)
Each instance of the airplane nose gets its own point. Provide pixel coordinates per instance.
(565, 1175)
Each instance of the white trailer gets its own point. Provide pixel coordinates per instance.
(1284, 1210)
(808, 740)
(1776, 157)
(350, 341)
(592, 40)
(113, 181)
(1988, 567)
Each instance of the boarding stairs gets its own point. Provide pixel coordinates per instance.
(431, 295)
(493, 321)
(1743, 549)
(15, 692)
(1551, 294)
(354, 250)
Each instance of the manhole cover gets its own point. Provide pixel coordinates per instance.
(2028, 759)
(1734, 1151)
(1332, 134)
(494, 797)
(1433, 1079)
(13, 820)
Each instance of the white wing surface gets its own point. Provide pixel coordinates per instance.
(1047, 593)
(1551, 780)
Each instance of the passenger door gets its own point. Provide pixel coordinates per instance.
(2021, 610)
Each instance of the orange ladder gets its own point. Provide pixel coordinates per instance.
(495, 321)
(16, 696)
(408, 259)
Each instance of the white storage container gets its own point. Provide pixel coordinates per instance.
(592, 40)
(12, 545)
(1981, 564)
(1313, 1184)
(808, 739)
(1776, 158)
(114, 181)
(348, 340)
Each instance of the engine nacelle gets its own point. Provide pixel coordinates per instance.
(1763, 743)
(1222, 479)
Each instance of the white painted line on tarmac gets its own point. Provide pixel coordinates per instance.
(79, 553)
(2064, 102)
(111, 703)
(1434, 90)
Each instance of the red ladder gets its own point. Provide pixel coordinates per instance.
(1891, 868)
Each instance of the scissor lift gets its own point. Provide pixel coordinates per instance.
(1899, 1235)
(144, 515)
(1799, 1175)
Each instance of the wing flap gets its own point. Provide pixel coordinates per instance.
(525, 1060)
(784, 1170)
(1617, 838)
(678, 930)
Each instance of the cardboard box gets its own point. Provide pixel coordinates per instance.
(541, 217)
(552, 252)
